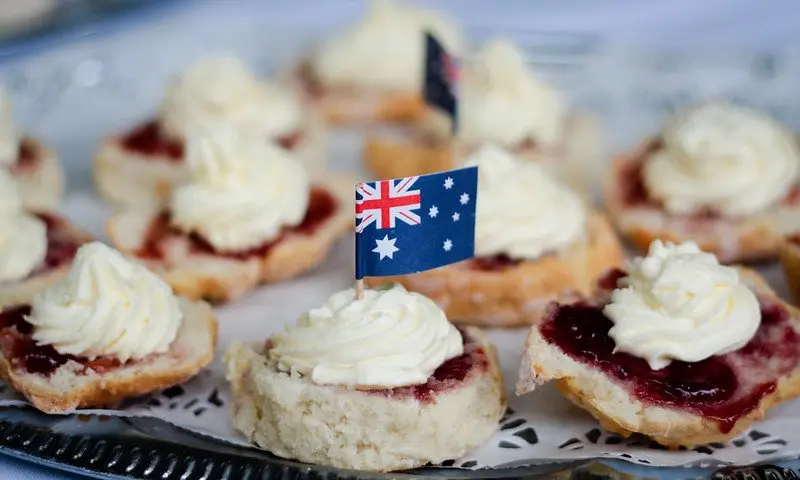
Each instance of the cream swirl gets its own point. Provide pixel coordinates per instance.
(679, 303)
(241, 192)
(385, 50)
(504, 103)
(107, 306)
(223, 89)
(23, 238)
(389, 338)
(726, 158)
(522, 211)
(9, 134)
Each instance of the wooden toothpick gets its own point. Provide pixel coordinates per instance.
(359, 289)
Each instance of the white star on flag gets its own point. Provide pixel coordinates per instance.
(447, 245)
(433, 211)
(464, 199)
(386, 247)
(456, 216)
(448, 183)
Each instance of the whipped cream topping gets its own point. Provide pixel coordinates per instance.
(730, 159)
(681, 304)
(503, 102)
(522, 210)
(10, 137)
(23, 237)
(389, 338)
(223, 89)
(385, 50)
(241, 191)
(107, 306)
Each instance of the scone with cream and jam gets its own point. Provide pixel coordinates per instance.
(36, 247)
(500, 101)
(108, 330)
(35, 167)
(723, 176)
(248, 214)
(677, 347)
(373, 71)
(534, 240)
(386, 372)
(140, 167)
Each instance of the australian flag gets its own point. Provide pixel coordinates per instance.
(411, 224)
(441, 78)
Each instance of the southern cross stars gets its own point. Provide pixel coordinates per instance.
(433, 211)
(447, 245)
(463, 199)
(456, 216)
(448, 183)
(385, 247)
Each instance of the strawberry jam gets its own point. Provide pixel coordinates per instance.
(321, 206)
(149, 141)
(25, 354)
(27, 157)
(722, 388)
(494, 263)
(61, 244)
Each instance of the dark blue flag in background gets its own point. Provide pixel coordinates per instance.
(407, 225)
(441, 78)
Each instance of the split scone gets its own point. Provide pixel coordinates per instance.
(534, 240)
(723, 176)
(380, 383)
(141, 166)
(790, 262)
(678, 348)
(500, 101)
(107, 331)
(36, 248)
(246, 215)
(349, 78)
(34, 166)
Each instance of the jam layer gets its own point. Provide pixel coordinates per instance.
(24, 354)
(321, 206)
(722, 388)
(494, 263)
(27, 157)
(61, 244)
(148, 140)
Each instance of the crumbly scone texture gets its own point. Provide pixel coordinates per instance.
(69, 388)
(619, 412)
(41, 186)
(790, 263)
(220, 279)
(517, 295)
(747, 239)
(128, 179)
(404, 156)
(294, 418)
(20, 293)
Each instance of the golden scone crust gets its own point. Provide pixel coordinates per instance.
(516, 295)
(42, 184)
(618, 412)
(790, 263)
(68, 388)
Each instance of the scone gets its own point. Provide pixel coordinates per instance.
(248, 214)
(36, 248)
(140, 167)
(500, 101)
(107, 331)
(349, 79)
(790, 262)
(534, 240)
(678, 348)
(34, 166)
(382, 383)
(722, 176)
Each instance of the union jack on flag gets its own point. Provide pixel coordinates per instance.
(407, 225)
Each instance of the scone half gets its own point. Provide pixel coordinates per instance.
(39, 175)
(376, 430)
(790, 263)
(484, 293)
(768, 367)
(745, 239)
(60, 385)
(203, 274)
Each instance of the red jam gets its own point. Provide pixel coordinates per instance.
(308, 79)
(321, 206)
(449, 375)
(25, 354)
(722, 388)
(27, 158)
(494, 263)
(61, 244)
(148, 140)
